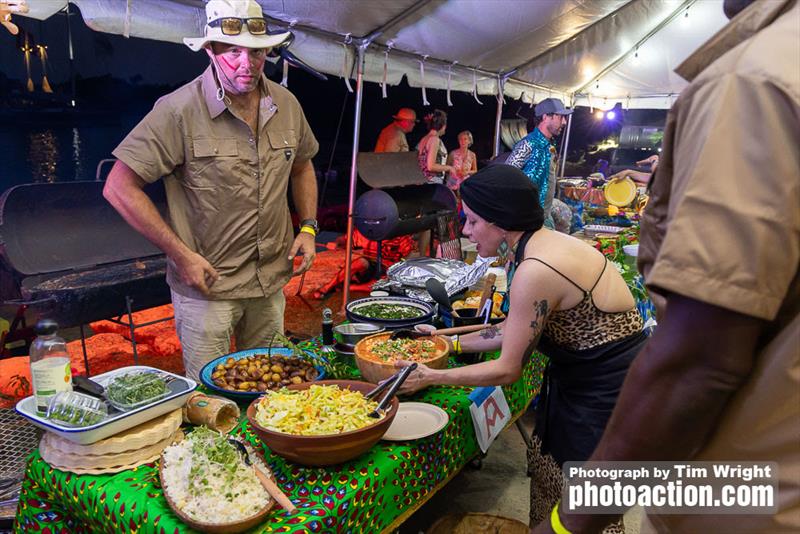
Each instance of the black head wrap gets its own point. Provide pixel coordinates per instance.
(504, 196)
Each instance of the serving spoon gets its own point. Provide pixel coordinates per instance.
(438, 293)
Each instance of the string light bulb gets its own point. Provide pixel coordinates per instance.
(599, 114)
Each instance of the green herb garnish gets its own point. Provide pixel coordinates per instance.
(76, 416)
(389, 311)
(136, 388)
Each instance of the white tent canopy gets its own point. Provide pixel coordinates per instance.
(591, 52)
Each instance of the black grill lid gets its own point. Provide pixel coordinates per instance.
(51, 227)
(389, 169)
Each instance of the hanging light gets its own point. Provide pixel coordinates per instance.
(636, 60)
(599, 114)
(685, 19)
(611, 115)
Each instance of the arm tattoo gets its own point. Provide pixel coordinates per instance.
(541, 309)
(490, 332)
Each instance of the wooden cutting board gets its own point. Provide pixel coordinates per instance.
(138, 437)
(106, 463)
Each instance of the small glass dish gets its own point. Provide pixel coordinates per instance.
(73, 409)
(128, 391)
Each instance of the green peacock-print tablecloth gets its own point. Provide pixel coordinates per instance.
(372, 493)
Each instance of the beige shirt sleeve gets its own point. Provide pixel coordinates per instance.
(733, 223)
(155, 146)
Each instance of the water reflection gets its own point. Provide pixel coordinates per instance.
(56, 152)
(43, 154)
(77, 157)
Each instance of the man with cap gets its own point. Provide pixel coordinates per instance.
(227, 145)
(393, 137)
(534, 153)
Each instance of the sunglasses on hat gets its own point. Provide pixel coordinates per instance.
(233, 25)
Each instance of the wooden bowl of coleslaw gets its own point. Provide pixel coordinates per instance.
(375, 355)
(317, 427)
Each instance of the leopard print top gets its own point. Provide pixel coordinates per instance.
(585, 326)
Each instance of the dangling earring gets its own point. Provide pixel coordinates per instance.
(503, 249)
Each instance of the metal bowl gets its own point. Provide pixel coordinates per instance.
(351, 333)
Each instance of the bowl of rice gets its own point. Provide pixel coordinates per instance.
(209, 487)
(320, 423)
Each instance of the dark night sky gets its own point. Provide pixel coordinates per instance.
(141, 64)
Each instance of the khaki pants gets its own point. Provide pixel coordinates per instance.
(205, 326)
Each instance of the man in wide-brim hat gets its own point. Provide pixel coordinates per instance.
(227, 144)
(393, 137)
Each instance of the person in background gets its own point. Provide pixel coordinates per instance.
(462, 160)
(432, 157)
(719, 380)
(568, 303)
(227, 144)
(535, 153)
(432, 153)
(641, 178)
(365, 258)
(393, 137)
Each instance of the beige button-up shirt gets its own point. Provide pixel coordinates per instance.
(392, 139)
(226, 188)
(723, 227)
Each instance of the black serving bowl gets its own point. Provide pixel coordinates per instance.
(354, 314)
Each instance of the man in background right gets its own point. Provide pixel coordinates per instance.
(720, 246)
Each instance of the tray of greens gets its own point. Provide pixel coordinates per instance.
(134, 396)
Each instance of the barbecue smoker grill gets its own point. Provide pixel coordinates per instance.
(400, 202)
(66, 254)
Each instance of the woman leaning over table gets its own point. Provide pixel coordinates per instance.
(565, 301)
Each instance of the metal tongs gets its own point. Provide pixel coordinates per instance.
(395, 381)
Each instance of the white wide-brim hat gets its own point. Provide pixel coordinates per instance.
(242, 9)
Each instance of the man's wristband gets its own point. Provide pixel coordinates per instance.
(555, 522)
(457, 345)
(309, 230)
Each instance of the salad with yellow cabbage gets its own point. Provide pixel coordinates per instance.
(316, 411)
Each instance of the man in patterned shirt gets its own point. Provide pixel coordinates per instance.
(533, 154)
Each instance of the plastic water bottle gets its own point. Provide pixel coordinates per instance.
(50, 366)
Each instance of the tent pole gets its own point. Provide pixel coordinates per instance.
(71, 56)
(361, 48)
(565, 146)
(496, 150)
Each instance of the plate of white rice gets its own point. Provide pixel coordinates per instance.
(208, 485)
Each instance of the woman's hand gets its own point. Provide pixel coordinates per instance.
(417, 380)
